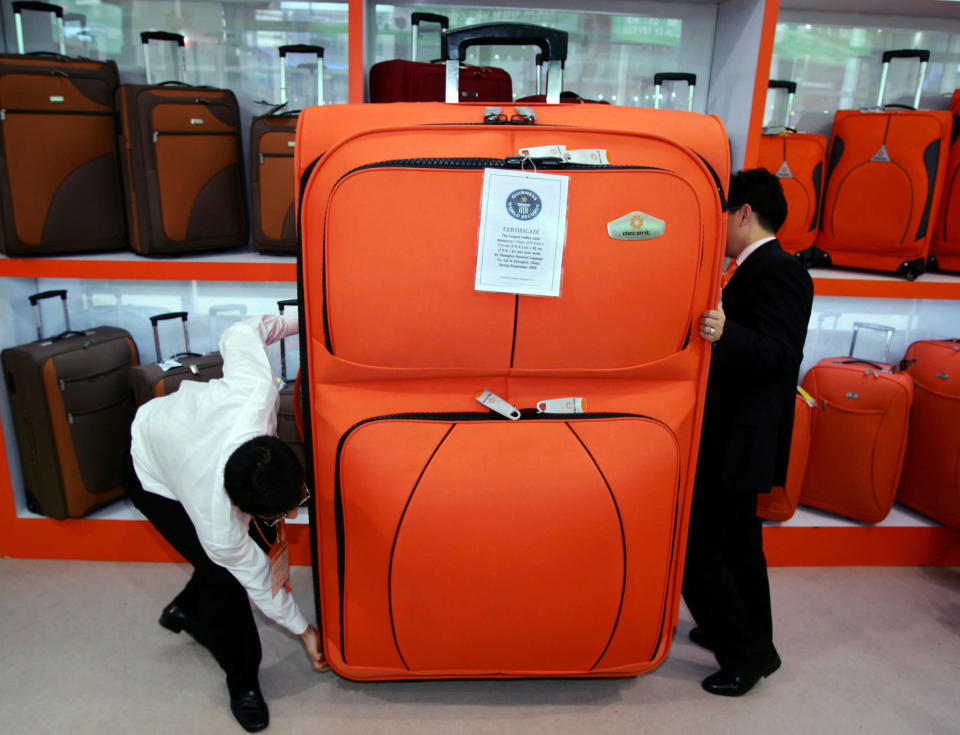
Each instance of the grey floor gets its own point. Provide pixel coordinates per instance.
(865, 650)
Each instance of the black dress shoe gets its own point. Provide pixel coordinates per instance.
(174, 618)
(702, 638)
(737, 682)
(250, 709)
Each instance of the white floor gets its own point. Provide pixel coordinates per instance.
(865, 650)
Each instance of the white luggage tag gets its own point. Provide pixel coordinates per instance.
(169, 364)
(588, 157)
(545, 151)
(561, 405)
(498, 405)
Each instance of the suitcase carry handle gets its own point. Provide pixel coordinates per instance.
(856, 361)
(922, 55)
(42, 8)
(416, 19)
(300, 48)
(857, 326)
(552, 43)
(670, 76)
(178, 38)
(791, 88)
(35, 300)
(155, 320)
(283, 348)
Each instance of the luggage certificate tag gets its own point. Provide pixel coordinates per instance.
(279, 556)
(523, 228)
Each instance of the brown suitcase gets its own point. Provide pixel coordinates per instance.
(182, 159)
(59, 174)
(165, 376)
(287, 429)
(72, 409)
(272, 185)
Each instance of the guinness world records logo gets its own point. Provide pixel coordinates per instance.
(524, 204)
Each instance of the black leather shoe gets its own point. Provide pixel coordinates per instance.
(737, 682)
(250, 709)
(175, 619)
(702, 638)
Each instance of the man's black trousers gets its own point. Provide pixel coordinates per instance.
(213, 597)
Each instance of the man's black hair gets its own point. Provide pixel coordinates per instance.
(263, 477)
(763, 192)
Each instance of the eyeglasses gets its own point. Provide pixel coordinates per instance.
(273, 521)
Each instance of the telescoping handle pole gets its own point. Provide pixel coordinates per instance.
(283, 342)
(659, 79)
(415, 20)
(56, 10)
(38, 317)
(552, 43)
(888, 56)
(791, 88)
(155, 320)
(147, 36)
(301, 48)
(857, 326)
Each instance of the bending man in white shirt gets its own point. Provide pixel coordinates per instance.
(207, 466)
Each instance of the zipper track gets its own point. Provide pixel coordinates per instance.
(21, 111)
(91, 376)
(454, 417)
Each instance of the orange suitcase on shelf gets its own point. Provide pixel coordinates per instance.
(797, 159)
(945, 246)
(859, 434)
(453, 541)
(931, 470)
(884, 184)
(781, 502)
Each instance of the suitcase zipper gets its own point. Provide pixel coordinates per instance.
(65, 381)
(526, 414)
(8, 111)
(274, 155)
(126, 399)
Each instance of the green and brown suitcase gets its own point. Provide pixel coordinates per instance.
(59, 174)
(72, 408)
(165, 376)
(272, 183)
(182, 159)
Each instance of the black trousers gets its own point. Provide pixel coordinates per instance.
(725, 582)
(213, 597)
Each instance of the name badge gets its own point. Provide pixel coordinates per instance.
(280, 562)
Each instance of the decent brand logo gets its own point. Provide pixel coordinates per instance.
(524, 204)
(636, 226)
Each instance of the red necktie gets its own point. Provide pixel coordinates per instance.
(728, 274)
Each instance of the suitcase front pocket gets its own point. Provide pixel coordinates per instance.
(470, 545)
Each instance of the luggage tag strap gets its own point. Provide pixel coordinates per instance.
(498, 405)
(806, 397)
(562, 405)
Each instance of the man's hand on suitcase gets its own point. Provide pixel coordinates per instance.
(711, 323)
(311, 644)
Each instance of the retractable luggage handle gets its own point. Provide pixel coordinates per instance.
(42, 8)
(660, 78)
(178, 38)
(35, 300)
(300, 48)
(563, 66)
(791, 88)
(857, 326)
(416, 19)
(552, 43)
(922, 54)
(283, 342)
(182, 315)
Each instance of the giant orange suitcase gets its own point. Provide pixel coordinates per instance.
(931, 470)
(780, 503)
(945, 246)
(797, 159)
(859, 435)
(452, 541)
(884, 183)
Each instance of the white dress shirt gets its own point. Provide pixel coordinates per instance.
(181, 443)
(748, 251)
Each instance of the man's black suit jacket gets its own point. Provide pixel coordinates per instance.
(748, 417)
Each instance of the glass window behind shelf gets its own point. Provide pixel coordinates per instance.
(229, 44)
(611, 56)
(838, 67)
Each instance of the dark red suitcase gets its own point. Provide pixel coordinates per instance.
(72, 409)
(272, 187)
(287, 429)
(182, 155)
(165, 376)
(59, 172)
(417, 81)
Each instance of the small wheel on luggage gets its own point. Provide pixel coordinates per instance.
(32, 504)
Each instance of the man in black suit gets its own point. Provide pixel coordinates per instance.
(745, 443)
